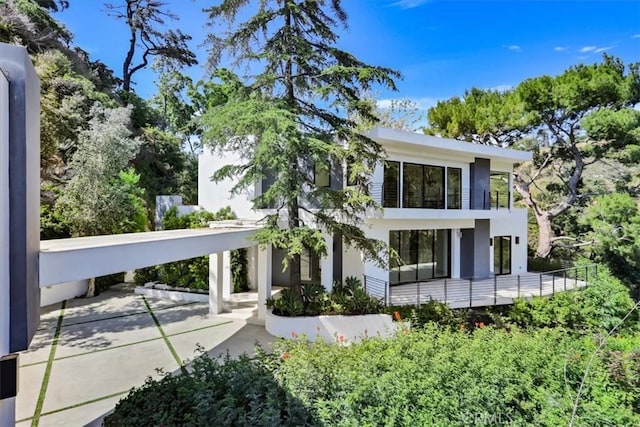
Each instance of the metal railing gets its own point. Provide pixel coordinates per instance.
(462, 199)
(498, 290)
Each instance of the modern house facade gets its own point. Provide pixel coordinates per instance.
(447, 210)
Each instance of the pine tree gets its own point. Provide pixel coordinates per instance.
(291, 116)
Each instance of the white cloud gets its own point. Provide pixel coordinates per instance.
(409, 4)
(588, 49)
(635, 36)
(559, 48)
(602, 49)
(513, 47)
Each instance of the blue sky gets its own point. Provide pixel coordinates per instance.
(442, 47)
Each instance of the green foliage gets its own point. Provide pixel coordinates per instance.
(291, 114)
(430, 376)
(52, 222)
(102, 197)
(145, 20)
(194, 273)
(599, 307)
(349, 298)
(214, 393)
(570, 121)
(239, 270)
(614, 222)
(104, 282)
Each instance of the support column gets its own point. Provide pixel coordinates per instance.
(456, 235)
(227, 288)
(264, 280)
(216, 275)
(326, 265)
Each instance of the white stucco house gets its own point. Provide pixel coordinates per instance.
(447, 210)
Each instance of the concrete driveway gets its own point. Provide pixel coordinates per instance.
(88, 353)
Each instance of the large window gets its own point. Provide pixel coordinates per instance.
(424, 255)
(454, 188)
(423, 186)
(322, 174)
(499, 184)
(391, 189)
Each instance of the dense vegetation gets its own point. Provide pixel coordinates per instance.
(521, 366)
(194, 273)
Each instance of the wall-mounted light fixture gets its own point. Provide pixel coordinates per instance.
(517, 240)
(490, 241)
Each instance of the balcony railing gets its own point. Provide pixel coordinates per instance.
(465, 198)
(499, 290)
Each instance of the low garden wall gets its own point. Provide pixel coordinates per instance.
(341, 329)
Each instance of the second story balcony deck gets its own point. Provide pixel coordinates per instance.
(463, 203)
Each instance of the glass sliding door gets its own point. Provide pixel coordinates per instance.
(424, 255)
(454, 188)
(391, 186)
(441, 258)
(502, 255)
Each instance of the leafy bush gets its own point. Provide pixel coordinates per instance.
(213, 393)
(313, 300)
(194, 273)
(600, 306)
(104, 282)
(429, 376)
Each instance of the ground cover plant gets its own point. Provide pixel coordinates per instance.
(312, 299)
(451, 368)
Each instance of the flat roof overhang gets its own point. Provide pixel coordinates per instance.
(67, 260)
(445, 146)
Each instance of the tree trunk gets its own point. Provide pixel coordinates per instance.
(545, 235)
(91, 289)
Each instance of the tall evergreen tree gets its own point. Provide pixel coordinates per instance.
(292, 116)
(570, 121)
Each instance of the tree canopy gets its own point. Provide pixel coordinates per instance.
(570, 121)
(291, 115)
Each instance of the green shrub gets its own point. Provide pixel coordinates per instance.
(230, 392)
(194, 273)
(600, 306)
(349, 298)
(430, 376)
(104, 282)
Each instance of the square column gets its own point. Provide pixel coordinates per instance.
(264, 280)
(227, 287)
(326, 265)
(216, 275)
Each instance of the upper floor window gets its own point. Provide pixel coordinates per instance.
(454, 188)
(322, 174)
(499, 187)
(391, 187)
(423, 186)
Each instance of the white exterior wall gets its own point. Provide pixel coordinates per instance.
(352, 264)
(64, 291)
(215, 195)
(516, 226)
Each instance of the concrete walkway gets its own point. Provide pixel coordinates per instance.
(88, 353)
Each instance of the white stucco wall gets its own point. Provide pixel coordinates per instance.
(54, 294)
(352, 264)
(515, 226)
(215, 195)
